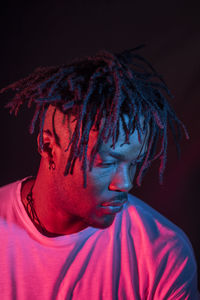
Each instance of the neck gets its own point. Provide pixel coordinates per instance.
(51, 222)
(29, 205)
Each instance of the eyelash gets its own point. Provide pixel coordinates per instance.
(107, 165)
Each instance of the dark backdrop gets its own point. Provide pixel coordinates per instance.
(39, 33)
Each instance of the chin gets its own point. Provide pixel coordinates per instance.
(102, 223)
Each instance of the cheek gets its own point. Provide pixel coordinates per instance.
(96, 184)
(98, 180)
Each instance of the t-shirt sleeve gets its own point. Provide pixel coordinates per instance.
(176, 276)
(167, 268)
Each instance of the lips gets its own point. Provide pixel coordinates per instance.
(114, 205)
(114, 202)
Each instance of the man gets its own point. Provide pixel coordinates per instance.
(74, 231)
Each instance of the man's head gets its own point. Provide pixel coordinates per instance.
(109, 180)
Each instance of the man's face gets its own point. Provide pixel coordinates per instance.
(107, 184)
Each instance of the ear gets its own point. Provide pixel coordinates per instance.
(50, 147)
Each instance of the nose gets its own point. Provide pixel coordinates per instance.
(122, 181)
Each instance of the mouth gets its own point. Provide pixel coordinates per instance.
(114, 202)
(114, 205)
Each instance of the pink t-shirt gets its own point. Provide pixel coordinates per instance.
(141, 255)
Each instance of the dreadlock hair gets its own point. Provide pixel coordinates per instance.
(105, 85)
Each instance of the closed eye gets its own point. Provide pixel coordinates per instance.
(135, 162)
(106, 165)
(109, 164)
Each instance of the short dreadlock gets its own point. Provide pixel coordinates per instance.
(105, 85)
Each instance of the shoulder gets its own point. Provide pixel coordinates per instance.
(7, 193)
(8, 189)
(153, 227)
(163, 249)
(151, 222)
(8, 196)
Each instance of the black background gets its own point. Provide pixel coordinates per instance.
(40, 33)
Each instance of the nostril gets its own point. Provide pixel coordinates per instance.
(120, 186)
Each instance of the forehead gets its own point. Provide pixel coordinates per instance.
(136, 146)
